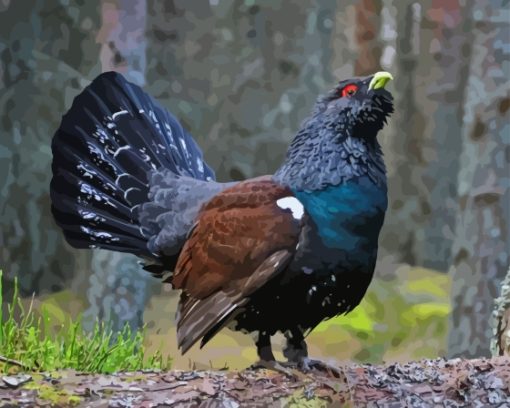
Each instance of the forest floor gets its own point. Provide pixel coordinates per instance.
(426, 383)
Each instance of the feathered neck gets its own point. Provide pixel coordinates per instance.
(325, 156)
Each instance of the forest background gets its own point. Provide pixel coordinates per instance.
(241, 76)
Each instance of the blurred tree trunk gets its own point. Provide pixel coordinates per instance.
(481, 247)
(366, 31)
(432, 54)
(343, 42)
(447, 46)
(119, 289)
(122, 38)
(403, 144)
(44, 49)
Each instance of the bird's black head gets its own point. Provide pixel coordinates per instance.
(358, 106)
(338, 141)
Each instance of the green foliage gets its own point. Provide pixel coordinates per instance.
(25, 337)
(401, 318)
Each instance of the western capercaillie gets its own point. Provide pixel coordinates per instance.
(276, 253)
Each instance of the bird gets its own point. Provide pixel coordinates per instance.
(275, 253)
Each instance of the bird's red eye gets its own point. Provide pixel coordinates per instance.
(349, 90)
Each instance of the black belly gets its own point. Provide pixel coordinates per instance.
(320, 282)
(303, 300)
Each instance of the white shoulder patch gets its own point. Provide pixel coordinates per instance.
(293, 204)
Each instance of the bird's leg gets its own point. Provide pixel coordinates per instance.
(296, 351)
(266, 356)
(264, 349)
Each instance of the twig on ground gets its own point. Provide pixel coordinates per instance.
(13, 362)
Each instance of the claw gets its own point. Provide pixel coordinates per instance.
(288, 370)
(307, 364)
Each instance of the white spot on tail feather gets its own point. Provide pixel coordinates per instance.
(122, 112)
(129, 190)
(292, 204)
(126, 147)
(184, 147)
(200, 165)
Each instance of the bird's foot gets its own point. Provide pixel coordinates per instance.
(283, 368)
(306, 365)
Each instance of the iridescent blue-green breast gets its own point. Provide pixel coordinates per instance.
(347, 216)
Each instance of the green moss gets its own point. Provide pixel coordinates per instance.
(53, 395)
(298, 400)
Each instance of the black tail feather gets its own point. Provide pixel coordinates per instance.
(104, 151)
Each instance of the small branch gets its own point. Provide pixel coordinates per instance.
(13, 362)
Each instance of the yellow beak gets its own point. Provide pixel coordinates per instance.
(379, 80)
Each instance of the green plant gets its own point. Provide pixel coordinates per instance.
(24, 338)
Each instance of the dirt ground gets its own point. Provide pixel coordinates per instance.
(427, 383)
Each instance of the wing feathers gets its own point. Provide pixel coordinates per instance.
(241, 240)
(202, 315)
(203, 318)
(267, 270)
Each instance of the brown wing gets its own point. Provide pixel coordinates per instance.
(241, 240)
(203, 318)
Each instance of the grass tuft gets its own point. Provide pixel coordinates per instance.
(24, 338)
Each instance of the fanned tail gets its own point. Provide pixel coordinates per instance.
(104, 152)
